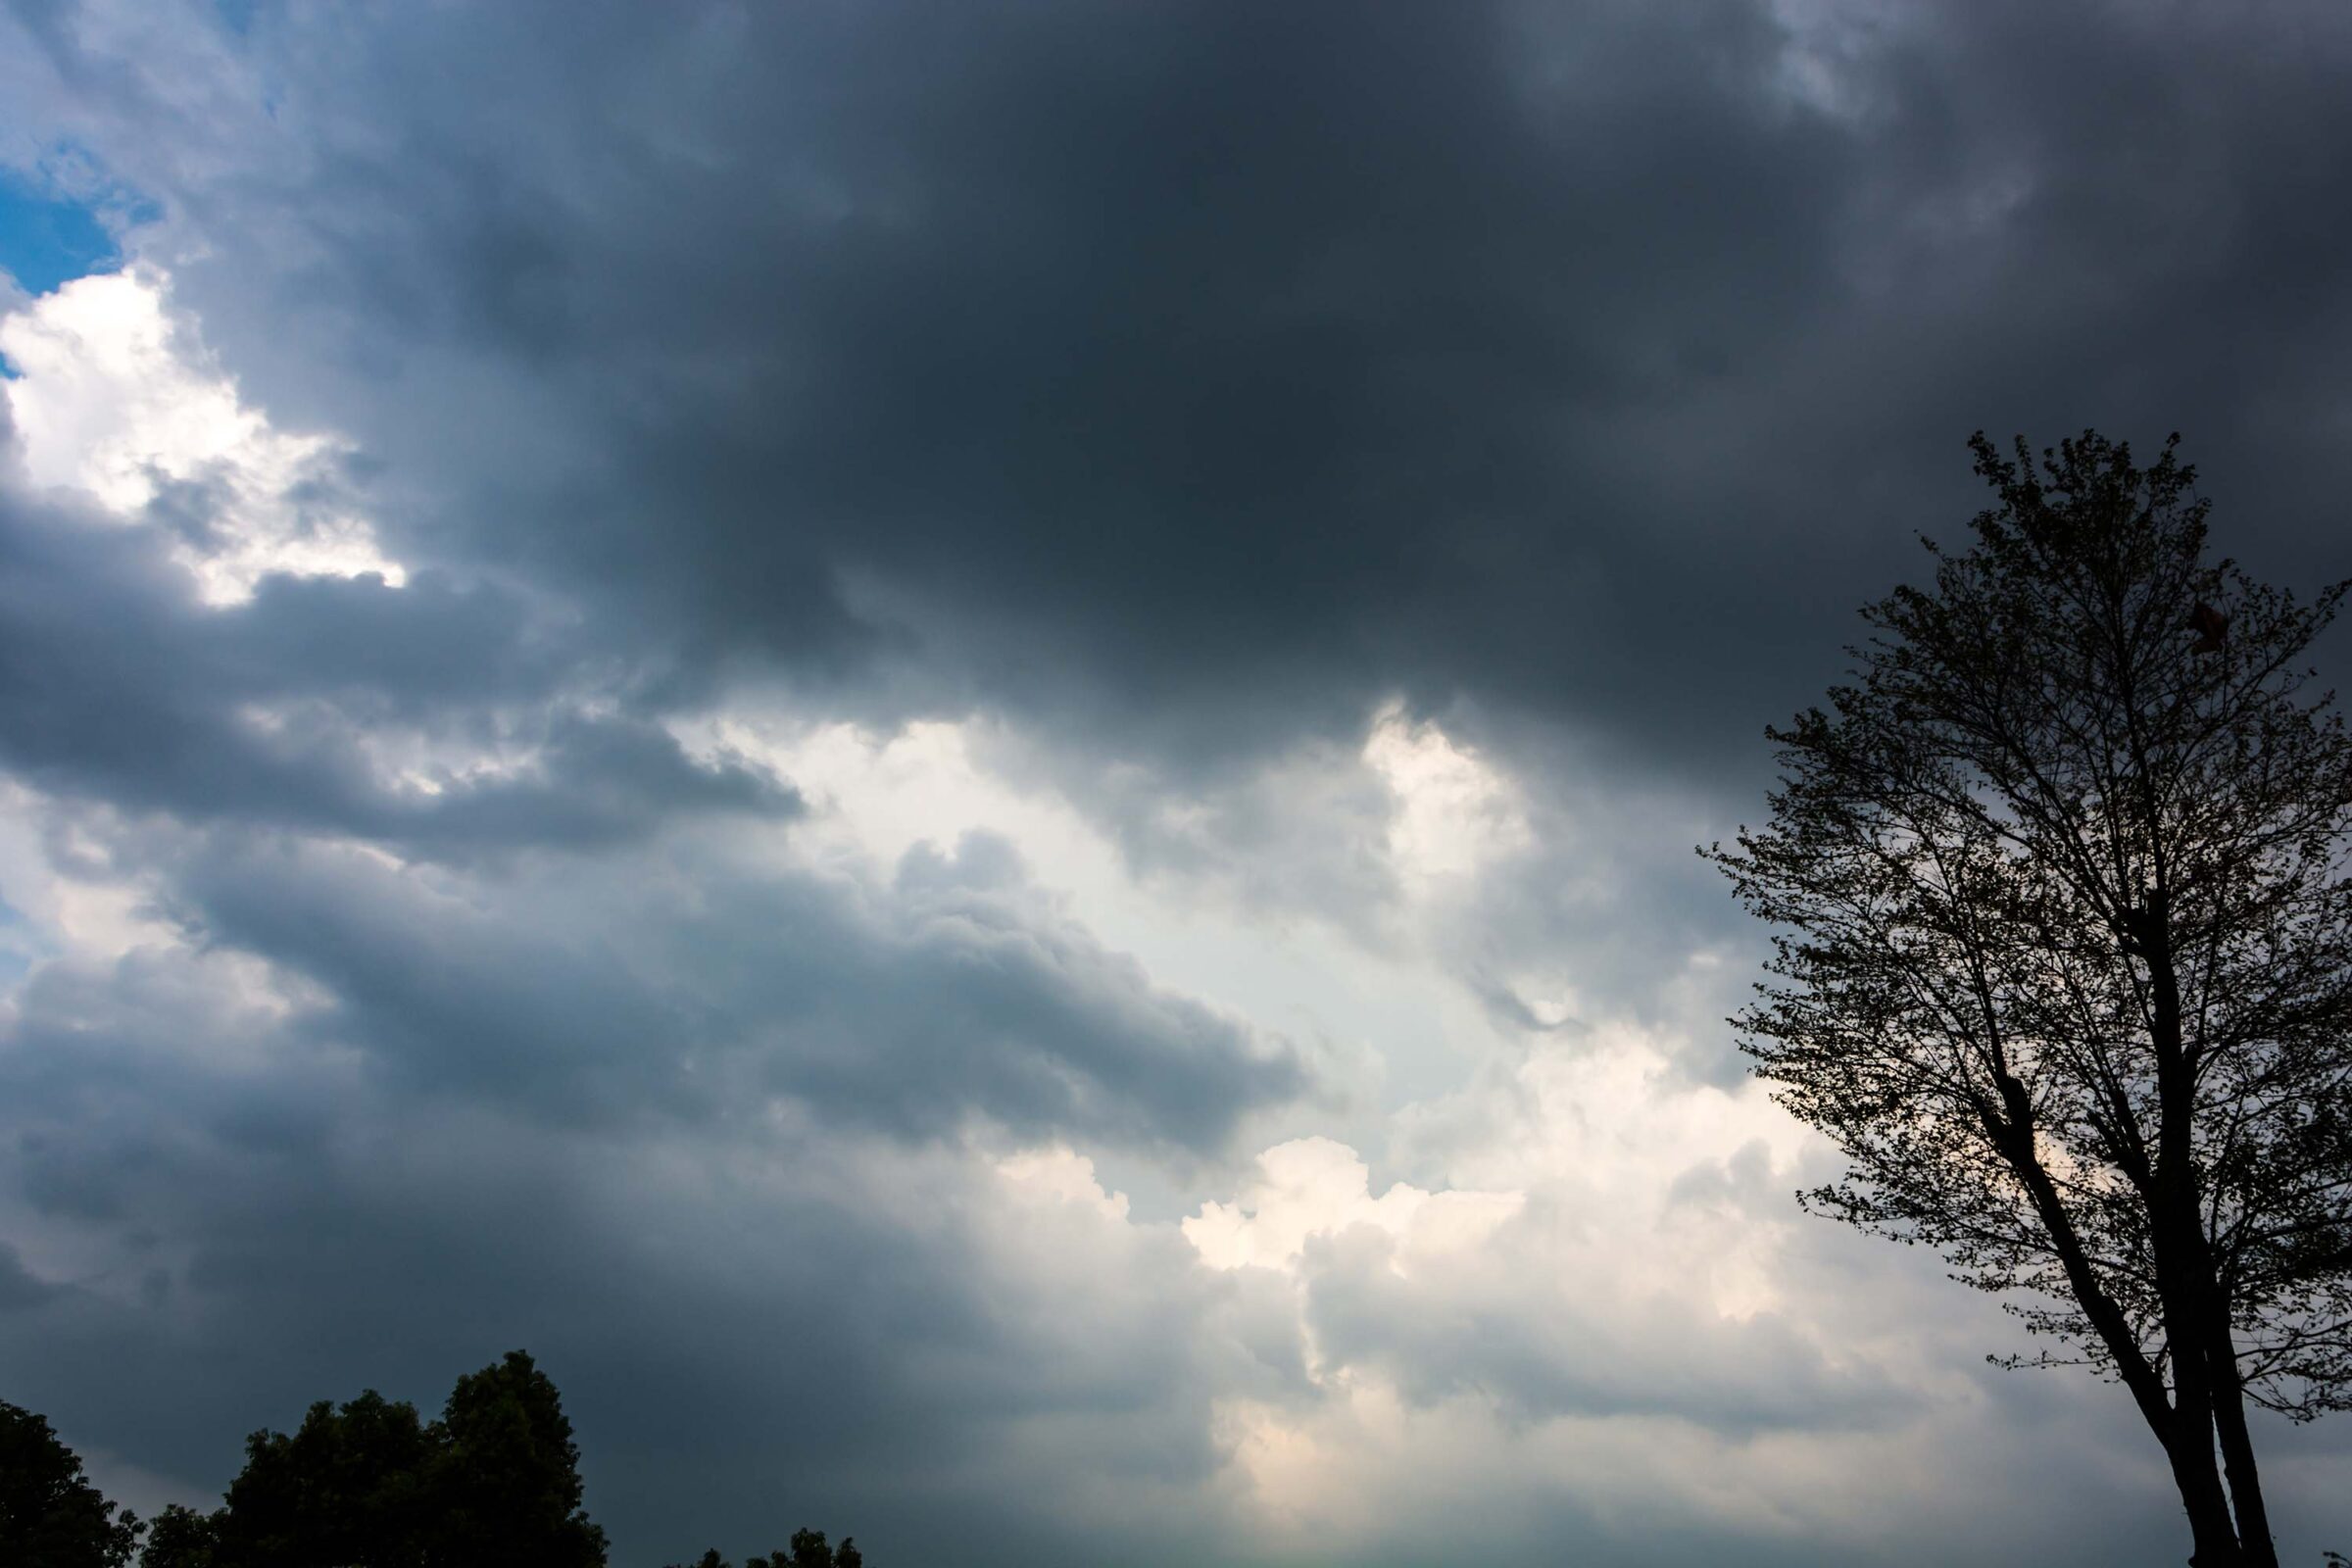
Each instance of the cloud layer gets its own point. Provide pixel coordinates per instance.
(957, 745)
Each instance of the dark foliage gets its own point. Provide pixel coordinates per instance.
(50, 1515)
(494, 1483)
(370, 1484)
(181, 1537)
(504, 1479)
(348, 1486)
(808, 1550)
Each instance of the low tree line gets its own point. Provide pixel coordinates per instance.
(368, 1484)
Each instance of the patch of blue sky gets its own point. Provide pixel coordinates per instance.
(60, 221)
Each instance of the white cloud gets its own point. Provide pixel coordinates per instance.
(1059, 1175)
(1454, 812)
(1312, 1187)
(115, 397)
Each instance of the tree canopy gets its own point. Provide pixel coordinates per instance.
(50, 1514)
(504, 1474)
(495, 1480)
(2064, 954)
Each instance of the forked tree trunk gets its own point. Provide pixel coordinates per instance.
(2208, 1401)
(2237, 1447)
(2190, 1443)
(2183, 1424)
(2213, 1536)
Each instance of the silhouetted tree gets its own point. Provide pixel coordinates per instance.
(808, 1550)
(181, 1537)
(347, 1487)
(2065, 957)
(50, 1515)
(494, 1481)
(505, 1479)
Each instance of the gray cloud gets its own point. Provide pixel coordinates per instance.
(1201, 369)
(1171, 382)
(1542, 1357)
(19, 1288)
(115, 683)
(671, 980)
(761, 1302)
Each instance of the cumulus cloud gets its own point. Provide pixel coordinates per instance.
(198, 621)
(111, 400)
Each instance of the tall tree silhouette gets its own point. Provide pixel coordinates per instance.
(2064, 961)
(504, 1476)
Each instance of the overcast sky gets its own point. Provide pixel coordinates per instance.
(958, 744)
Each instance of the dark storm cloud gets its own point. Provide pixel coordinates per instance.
(577, 982)
(892, 1340)
(676, 984)
(115, 684)
(19, 1289)
(1206, 369)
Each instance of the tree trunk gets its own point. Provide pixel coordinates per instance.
(2195, 1409)
(2184, 1284)
(2184, 1426)
(2237, 1447)
(2213, 1537)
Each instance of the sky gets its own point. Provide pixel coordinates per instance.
(958, 744)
